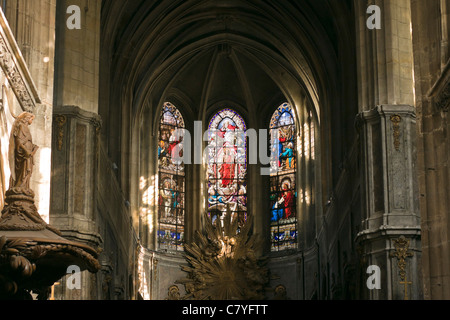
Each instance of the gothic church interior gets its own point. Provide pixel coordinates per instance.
(157, 120)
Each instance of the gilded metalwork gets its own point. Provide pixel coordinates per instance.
(396, 120)
(402, 253)
(406, 283)
(9, 64)
(224, 264)
(155, 268)
(280, 293)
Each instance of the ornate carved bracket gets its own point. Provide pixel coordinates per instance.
(396, 120)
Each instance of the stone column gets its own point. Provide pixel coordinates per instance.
(74, 168)
(75, 130)
(390, 232)
(432, 74)
(77, 50)
(391, 214)
(73, 192)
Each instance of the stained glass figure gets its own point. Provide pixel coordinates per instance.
(283, 194)
(171, 185)
(227, 166)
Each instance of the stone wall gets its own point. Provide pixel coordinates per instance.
(432, 86)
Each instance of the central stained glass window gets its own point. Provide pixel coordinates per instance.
(227, 166)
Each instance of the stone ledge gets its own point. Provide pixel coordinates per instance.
(387, 232)
(79, 113)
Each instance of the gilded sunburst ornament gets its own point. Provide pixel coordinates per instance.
(223, 264)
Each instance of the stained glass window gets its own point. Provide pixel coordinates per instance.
(283, 192)
(312, 137)
(227, 166)
(171, 180)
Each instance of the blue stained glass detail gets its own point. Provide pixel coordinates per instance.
(283, 193)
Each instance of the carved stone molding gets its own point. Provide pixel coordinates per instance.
(440, 93)
(70, 111)
(155, 268)
(15, 69)
(65, 114)
(97, 124)
(443, 99)
(173, 293)
(75, 132)
(60, 122)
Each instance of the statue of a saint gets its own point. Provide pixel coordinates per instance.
(21, 152)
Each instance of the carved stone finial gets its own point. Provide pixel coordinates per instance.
(13, 74)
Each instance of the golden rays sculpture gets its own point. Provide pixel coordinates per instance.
(223, 263)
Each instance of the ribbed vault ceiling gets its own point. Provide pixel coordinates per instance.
(250, 53)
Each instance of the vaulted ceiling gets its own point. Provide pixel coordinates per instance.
(202, 55)
(250, 53)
